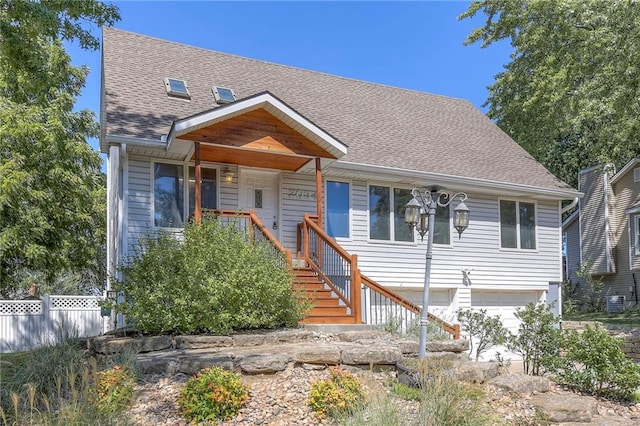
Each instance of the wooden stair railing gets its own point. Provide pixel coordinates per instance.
(382, 306)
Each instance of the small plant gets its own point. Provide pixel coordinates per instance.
(538, 339)
(213, 394)
(114, 389)
(594, 362)
(402, 391)
(487, 331)
(593, 288)
(339, 395)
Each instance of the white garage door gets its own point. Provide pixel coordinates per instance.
(504, 304)
(439, 302)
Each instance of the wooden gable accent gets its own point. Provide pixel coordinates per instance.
(256, 138)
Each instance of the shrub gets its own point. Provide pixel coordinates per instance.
(214, 281)
(488, 331)
(339, 395)
(213, 394)
(594, 362)
(593, 289)
(538, 338)
(114, 389)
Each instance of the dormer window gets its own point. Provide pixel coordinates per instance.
(177, 88)
(223, 95)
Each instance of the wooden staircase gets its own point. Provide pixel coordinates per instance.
(327, 308)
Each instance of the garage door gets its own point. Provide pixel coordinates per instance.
(503, 304)
(439, 302)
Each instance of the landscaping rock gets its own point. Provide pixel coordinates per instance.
(569, 408)
(522, 383)
(203, 342)
(264, 364)
(318, 354)
(408, 347)
(460, 345)
(374, 355)
(248, 339)
(476, 372)
(294, 336)
(166, 364)
(195, 362)
(355, 335)
(108, 344)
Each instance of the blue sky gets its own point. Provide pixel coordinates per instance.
(416, 45)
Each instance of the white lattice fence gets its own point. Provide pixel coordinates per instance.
(27, 323)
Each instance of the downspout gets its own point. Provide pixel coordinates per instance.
(607, 226)
(570, 206)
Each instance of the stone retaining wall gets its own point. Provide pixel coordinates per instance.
(630, 335)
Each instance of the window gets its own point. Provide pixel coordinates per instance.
(208, 189)
(168, 195)
(222, 95)
(386, 213)
(636, 174)
(338, 209)
(517, 225)
(176, 87)
(442, 231)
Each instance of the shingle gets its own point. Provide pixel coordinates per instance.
(381, 125)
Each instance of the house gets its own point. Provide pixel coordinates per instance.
(604, 233)
(326, 164)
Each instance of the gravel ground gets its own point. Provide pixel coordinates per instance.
(280, 399)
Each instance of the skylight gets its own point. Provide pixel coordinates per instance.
(223, 95)
(176, 87)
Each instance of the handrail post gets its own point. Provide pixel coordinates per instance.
(456, 334)
(305, 233)
(355, 290)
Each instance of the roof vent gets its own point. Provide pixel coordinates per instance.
(223, 95)
(177, 88)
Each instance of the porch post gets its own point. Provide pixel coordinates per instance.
(198, 186)
(319, 196)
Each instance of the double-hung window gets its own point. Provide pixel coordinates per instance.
(169, 193)
(337, 209)
(517, 225)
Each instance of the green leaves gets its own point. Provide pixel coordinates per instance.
(52, 191)
(570, 95)
(213, 281)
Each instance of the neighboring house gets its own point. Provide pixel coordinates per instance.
(604, 234)
(285, 142)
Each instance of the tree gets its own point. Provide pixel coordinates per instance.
(52, 207)
(571, 93)
(487, 330)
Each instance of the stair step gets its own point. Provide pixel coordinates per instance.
(311, 287)
(325, 301)
(329, 319)
(327, 310)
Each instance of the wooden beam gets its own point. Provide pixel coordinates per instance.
(319, 190)
(198, 191)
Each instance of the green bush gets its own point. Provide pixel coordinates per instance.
(213, 281)
(488, 331)
(594, 362)
(538, 338)
(213, 394)
(339, 395)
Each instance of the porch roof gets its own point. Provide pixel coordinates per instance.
(259, 130)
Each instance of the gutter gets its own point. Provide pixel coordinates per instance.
(570, 206)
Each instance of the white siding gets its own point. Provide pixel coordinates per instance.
(298, 198)
(478, 251)
(139, 199)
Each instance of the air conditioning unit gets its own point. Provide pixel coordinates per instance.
(615, 304)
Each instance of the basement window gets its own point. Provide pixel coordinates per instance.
(177, 88)
(223, 95)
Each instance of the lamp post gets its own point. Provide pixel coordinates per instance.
(420, 213)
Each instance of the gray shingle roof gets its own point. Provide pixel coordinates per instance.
(381, 125)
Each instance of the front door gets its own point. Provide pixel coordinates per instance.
(259, 191)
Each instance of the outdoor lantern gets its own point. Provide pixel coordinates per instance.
(461, 220)
(413, 213)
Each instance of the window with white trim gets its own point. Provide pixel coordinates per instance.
(169, 193)
(386, 214)
(517, 225)
(337, 209)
